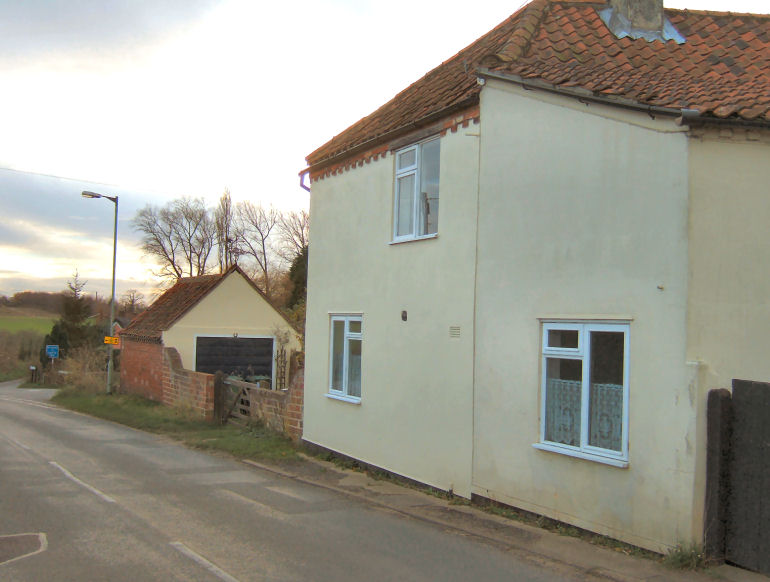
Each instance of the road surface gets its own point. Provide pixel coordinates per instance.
(83, 499)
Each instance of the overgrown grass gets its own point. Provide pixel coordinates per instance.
(252, 442)
(16, 371)
(687, 557)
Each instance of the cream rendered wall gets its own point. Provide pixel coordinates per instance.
(231, 307)
(729, 298)
(728, 302)
(415, 413)
(583, 214)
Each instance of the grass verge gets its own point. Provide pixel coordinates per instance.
(254, 441)
(20, 370)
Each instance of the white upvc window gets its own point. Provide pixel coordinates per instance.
(584, 395)
(415, 213)
(345, 357)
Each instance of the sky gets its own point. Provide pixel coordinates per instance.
(151, 100)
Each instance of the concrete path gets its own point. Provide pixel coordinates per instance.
(528, 543)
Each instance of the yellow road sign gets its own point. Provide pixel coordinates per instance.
(111, 340)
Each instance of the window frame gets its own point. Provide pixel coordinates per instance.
(583, 354)
(347, 335)
(416, 170)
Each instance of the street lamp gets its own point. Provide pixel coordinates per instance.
(113, 199)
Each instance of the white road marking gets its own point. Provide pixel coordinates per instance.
(16, 443)
(261, 508)
(201, 561)
(42, 540)
(288, 492)
(71, 477)
(30, 402)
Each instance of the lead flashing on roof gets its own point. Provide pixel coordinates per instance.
(621, 27)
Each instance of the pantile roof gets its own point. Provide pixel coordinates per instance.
(722, 70)
(187, 292)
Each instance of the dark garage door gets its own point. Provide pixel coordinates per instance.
(237, 356)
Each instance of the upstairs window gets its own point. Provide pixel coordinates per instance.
(417, 186)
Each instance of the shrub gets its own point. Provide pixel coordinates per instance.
(85, 369)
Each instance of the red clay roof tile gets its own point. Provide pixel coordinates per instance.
(722, 70)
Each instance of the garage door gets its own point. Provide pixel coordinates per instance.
(249, 358)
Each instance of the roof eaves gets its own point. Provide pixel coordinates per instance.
(401, 130)
(580, 93)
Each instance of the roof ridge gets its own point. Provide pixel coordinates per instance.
(529, 22)
(718, 12)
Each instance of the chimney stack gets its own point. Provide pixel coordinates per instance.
(642, 14)
(639, 19)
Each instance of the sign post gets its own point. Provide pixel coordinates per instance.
(52, 351)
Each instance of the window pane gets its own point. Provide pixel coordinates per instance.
(406, 159)
(563, 400)
(338, 343)
(429, 187)
(563, 338)
(405, 201)
(606, 395)
(354, 367)
(354, 326)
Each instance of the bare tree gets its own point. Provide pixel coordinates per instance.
(227, 240)
(179, 236)
(196, 232)
(132, 302)
(159, 240)
(255, 225)
(293, 229)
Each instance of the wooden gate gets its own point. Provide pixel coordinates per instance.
(232, 400)
(747, 535)
(738, 475)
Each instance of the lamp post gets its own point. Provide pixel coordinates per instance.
(114, 200)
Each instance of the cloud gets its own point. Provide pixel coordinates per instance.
(35, 29)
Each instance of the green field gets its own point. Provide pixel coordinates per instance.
(14, 323)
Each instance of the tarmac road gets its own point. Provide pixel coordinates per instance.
(98, 501)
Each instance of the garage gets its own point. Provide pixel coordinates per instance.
(248, 358)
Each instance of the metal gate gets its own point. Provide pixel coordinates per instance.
(747, 523)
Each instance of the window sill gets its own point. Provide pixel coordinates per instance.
(413, 239)
(343, 398)
(612, 461)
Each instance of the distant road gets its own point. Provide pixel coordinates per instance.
(112, 503)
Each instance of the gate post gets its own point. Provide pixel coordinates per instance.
(219, 397)
(719, 433)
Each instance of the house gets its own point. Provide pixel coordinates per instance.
(531, 265)
(214, 322)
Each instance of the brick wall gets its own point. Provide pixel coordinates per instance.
(155, 372)
(296, 400)
(281, 410)
(141, 369)
(185, 388)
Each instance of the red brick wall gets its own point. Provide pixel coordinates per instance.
(185, 388)
(293, 422)
(155, 372)
(281, 410)
(141, 369)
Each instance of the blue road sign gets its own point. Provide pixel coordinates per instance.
(52, 351)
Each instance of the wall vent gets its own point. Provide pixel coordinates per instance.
(454, 331)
